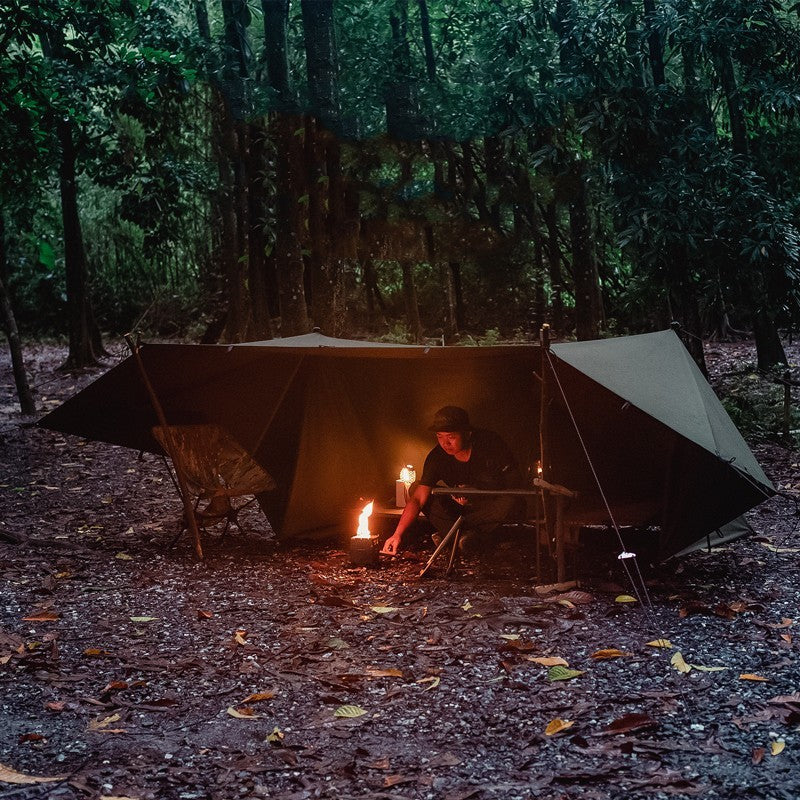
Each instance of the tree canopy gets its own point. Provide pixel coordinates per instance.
(229, 169)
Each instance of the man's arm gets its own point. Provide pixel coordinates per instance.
(410, 513)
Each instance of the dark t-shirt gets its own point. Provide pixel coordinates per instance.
(491, 465)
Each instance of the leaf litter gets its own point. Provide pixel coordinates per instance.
(296, 634)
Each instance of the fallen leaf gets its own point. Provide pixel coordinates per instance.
(750, 676)
(701, 668)
(124, 557)
(374, 672)
(777, 747)
(143, 619)
(624, 598)
(559, 673)
(94, 651)
(612, 652)
(336, 644)
(395, 780)
(100, 724)
(259, 697)
(758, 754)
(239, 636)
(8, 775)
(203, 614)
(383, 609)
(433, 680)
(55, 705)
(630, 722)
(277, 736)
(511, 637)
(467, 605)
(557, 725)
(773, 549)
(349, 712)
(42, 616)
(443, 760)
(243, 712)
(678, 662)
(30, 737)
(665, 643)
(548, 661)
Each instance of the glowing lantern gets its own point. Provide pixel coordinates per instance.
(407, 476)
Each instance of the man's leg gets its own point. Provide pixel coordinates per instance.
(483, 518)
(442, 512)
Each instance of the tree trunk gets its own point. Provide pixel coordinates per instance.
(81, 350)
(693, 324)
(554, 264)
(583, 267)
(276, 20)
(260, 323)
(458, 295)
(427, 41)
(321, 61)
(655, 46)
(289, 224)
(410, 298)
(769, 349)
(727, 78)
(9, 324)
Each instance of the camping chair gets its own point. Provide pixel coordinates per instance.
(217, 470)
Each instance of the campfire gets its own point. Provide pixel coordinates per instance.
(364, 546)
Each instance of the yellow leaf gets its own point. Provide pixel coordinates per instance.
(100, 724)
(512, 637)
(611, 652)
(679, 664)
(467, 605)
(701, 668)
(776, 748)
(568, 603)
(259, 697)
(433, 680)
(143, 619)
(277, 736)
(548, 661)
(665, 643)
(383, 609)
(557, 725)
(624, 598)
(8, 775)
(124, 557)
(242, 713)
(749, 676)
(95, 651)
(349, 712)
(239, 637)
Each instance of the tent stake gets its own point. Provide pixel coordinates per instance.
(183, 489)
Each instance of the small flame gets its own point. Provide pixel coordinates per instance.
(539, 470)
(363, 521)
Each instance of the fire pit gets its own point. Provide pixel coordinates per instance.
(363, 548)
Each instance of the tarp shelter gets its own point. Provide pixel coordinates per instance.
(334, 420)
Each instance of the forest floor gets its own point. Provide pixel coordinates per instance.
(129, 669)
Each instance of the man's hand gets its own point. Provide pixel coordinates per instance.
(391, 545)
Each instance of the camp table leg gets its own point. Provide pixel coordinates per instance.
(453, 552)
(445, 541)
(560, 543)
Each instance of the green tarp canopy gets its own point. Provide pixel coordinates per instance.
(629, 423)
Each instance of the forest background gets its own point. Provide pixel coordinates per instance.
(224, 170)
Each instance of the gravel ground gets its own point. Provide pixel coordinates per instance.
(146, 674)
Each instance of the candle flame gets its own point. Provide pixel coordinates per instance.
(363, 531)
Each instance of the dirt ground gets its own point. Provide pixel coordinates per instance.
(129, 669)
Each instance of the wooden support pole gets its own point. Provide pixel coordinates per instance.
(183, 489)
